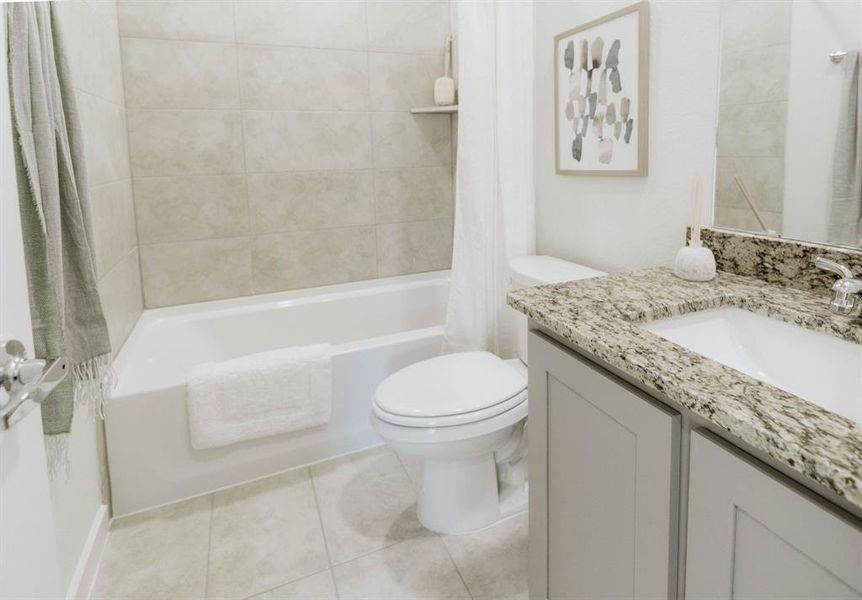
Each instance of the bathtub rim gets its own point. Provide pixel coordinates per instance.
(285, 299)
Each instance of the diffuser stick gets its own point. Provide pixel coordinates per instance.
(698, 212)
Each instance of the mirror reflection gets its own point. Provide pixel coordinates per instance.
(789, 153)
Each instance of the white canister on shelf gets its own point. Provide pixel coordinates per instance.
(444, 87)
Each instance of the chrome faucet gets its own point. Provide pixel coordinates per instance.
(847, 289)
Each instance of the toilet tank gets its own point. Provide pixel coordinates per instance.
(530, 271)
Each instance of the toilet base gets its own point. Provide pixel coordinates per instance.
(459, 496)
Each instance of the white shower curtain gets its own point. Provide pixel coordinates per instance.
(494, 174)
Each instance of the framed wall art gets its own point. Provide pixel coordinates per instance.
(601, 95)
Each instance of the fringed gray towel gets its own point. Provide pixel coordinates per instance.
(55, 218)
(845, 214)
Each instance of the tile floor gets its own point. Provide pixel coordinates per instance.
(346, 528)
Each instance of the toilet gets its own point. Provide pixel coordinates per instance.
(464, 415)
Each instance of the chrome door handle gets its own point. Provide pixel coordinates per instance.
(26, 381)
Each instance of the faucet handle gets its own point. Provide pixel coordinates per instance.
(834, 267)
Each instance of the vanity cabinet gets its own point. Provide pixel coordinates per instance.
(608, 497)
(751, 535)
(604, 468)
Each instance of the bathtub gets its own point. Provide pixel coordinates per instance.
(375, 327)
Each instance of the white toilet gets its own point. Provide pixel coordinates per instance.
(464, 415)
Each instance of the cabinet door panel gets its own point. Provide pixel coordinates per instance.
(753, 536)
(610, 459)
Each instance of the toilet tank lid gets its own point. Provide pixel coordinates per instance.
(541, 270)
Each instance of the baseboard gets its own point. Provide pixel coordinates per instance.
(84, 577)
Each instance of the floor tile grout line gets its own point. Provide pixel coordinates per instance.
(414, 484)
(386, 547)
(457, 568)
(209, 547)
(323, 531)
(319, 516)
(281, 585)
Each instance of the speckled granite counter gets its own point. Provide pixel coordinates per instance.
(602, 316)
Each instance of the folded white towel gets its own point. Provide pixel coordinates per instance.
(259, 395)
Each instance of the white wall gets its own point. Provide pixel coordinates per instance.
(816, 85)
(615, 223)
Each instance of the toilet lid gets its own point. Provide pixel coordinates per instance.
(450, 385)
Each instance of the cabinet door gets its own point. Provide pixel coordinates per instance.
(604, 478)
(753, 536)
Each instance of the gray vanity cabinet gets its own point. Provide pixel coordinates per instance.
(603, 492)
(750, 535)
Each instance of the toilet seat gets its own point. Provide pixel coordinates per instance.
(449, 390)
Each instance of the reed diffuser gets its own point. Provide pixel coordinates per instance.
(695, 262)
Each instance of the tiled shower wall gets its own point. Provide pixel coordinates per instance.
(89, 29)
(752, 112)
(272, 146)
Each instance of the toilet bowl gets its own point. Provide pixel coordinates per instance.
(464, 415)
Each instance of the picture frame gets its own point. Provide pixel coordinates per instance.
(601, 95)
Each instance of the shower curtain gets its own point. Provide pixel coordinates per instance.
(494, 171)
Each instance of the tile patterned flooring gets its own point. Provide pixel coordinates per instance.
(343, 529)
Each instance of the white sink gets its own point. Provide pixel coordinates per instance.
(821, 368)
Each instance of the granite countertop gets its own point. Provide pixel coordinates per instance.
(601, 316)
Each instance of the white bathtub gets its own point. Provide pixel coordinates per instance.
(376, 328)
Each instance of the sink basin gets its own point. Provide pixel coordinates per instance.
(821, 368)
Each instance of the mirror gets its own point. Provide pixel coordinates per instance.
(789, 151)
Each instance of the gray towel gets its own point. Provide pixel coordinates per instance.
(845, 213)
(55, 215)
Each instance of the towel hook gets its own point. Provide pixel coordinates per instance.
(837, 56)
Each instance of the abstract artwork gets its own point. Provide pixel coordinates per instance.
(602, 90)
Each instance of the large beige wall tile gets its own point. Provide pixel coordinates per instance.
(122, 298)
(280, 78)
(113, 211)
(264, 534)
(746, 79)
(408, 26)
(171, 74)
(311, 258)
(403, 81)
(202, 20)
(183, 272)
(158, 554)
(185, 142)
(413, 194)
(414, 247)
(172, 209)
(285, 141)
(317, 24)
(763, 176)
(103, 8)
(746, 130)
(302, 201)
(743, 219)
(92, 45)
(406, 140)
(105, 147)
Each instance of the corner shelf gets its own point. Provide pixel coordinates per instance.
(435, 110)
